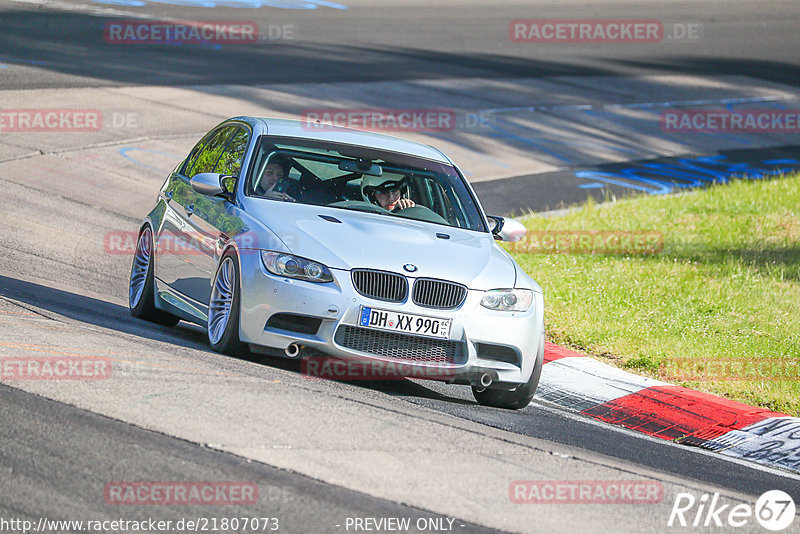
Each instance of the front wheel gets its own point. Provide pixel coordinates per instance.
(141, 293)
(515, 399)
(223, 309)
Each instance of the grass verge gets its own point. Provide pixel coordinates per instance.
(716, 309)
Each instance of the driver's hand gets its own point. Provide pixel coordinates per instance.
(405, 203)
(279, 196)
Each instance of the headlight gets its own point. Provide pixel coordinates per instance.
(508, 299)
(295, 267)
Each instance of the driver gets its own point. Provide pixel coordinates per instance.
(276, 171)
(388, 193)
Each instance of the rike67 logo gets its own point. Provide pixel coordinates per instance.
(774, 511)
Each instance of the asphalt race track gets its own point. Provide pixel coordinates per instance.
(538, 126)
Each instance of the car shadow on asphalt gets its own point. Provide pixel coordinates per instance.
(96, 312)
(112, 316)
(394, 387)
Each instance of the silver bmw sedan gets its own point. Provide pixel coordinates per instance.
(312, 241)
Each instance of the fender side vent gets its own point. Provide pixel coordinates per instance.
(498, 353)
(292, 322)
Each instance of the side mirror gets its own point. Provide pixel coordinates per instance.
(507, 229)
(209, 184)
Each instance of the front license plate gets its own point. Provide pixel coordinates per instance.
(405, 322)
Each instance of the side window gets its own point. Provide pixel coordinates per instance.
(208, 156)
(230, 162)
(440, 203)
(189, 161)
(260, 161)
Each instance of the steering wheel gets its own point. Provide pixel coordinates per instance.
(421, 213)
(359, 205)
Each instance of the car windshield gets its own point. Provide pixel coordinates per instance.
(363, 179)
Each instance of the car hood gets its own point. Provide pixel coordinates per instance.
(384, 242)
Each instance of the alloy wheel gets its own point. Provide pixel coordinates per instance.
(219, 309)
(141, 264)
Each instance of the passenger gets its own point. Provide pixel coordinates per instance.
(276, 171)
(387, 193)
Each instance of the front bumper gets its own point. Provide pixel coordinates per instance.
(477, 334)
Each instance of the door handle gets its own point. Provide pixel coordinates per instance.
(189, 210)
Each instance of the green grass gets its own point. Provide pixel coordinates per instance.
(718, 309)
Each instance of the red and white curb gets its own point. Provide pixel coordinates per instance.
(587, 386)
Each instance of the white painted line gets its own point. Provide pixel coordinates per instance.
(642, 105)
(94, 9)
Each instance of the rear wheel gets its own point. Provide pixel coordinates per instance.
(223, 309)
(517, 398)
(141, 293)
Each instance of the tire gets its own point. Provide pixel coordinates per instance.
(141, 287)
(224, 308)
(515, 399)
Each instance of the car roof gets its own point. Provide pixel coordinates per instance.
(301, 129)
